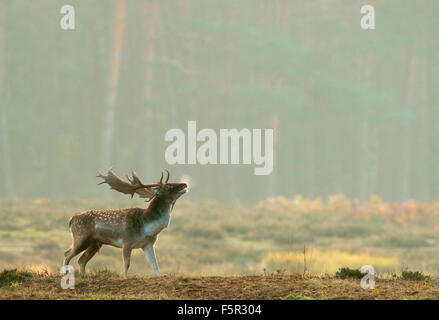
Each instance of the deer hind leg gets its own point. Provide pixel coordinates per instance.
(126, 259)
(66, 253)
(76, 248)
(87, 255)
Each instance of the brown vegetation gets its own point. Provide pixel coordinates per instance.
(108, 285)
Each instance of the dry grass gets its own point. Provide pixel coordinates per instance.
(108, 285)
(329, 261)
(208, 238)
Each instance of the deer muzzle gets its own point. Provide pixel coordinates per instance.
(182, 188)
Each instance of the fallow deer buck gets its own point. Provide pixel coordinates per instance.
(125, 228)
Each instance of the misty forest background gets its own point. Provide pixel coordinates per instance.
(354, 111)
(354, 114)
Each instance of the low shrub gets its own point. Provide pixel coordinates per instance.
(7, 277)
(414, 275)
(345, 273)
(297, 297)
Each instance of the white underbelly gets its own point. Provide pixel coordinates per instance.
(117, 243)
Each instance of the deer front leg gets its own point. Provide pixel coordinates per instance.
(150, 255)
(126, 259)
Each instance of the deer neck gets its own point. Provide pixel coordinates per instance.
(157, 216)
(160, 206)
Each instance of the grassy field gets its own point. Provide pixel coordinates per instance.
(266, 240)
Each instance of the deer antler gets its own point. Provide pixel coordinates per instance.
(161, 178)
(134, 185)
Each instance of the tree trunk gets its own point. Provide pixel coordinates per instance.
(113, 79)
(309, 154)
(273, 177)
(423, 185)
(147, 151)
(8, 182)
(368, 158)
(172, 110)
(168, 76)
(286, 156)
(407, 134)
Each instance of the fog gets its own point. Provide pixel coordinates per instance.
(352, 111)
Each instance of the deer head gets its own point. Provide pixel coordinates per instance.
(168, 190)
